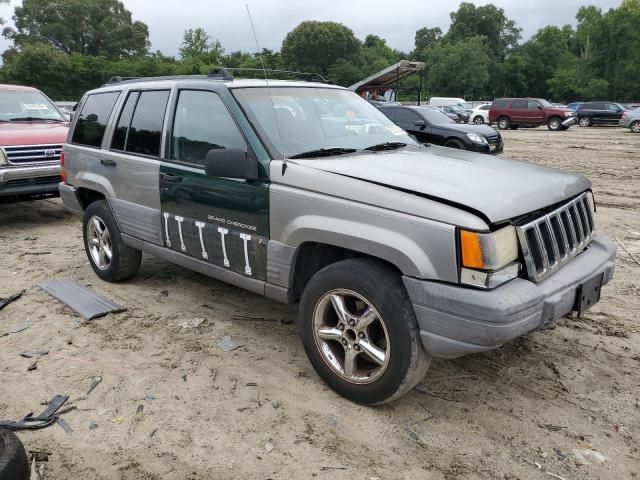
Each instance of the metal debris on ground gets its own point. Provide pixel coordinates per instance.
(82, 300)
(65, 426)
(93, 426)
(149, 397)
(94, 383)
(46, 418)
(6, 301)
(140, 409)
(227, 344)
(34, 354)
(193, 323)
(275, 404)
(20, 327)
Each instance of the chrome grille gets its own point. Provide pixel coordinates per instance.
(19, 155)
(552, 240)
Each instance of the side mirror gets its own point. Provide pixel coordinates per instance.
(231, 163)
(67, 116)
(420, 123)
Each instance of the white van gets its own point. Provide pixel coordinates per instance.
(448, 101)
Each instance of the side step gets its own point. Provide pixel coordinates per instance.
(82, 300)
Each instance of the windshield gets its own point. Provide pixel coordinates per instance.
(26, 106)
(304, 119)
(435, 116)
(544, 103)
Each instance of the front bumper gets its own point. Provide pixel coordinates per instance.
(456, 321)
(29, 180)
(494, 148)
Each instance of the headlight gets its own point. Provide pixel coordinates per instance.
(3, 157)
(489, 259)
(569, 114)
(474, 137)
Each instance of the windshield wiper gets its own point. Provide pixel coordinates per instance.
(35, 119)
(324, 152)
(386, 146)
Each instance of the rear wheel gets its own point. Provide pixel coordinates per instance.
(554, 124)
(585, 121)
(504, 123)
(359, 330)
(453, 143)
(13, 458)
(635, 126)
(478, 120)
(111, 259)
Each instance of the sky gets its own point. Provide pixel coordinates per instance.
(396, 21)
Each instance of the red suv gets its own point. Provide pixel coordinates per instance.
(32, 132)
(514, 112)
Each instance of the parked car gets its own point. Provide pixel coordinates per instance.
(480, 114)
(631, 120)
(430, 125)
(397, 252)
(462, 115)
(574, 106)
(32, 131)
(515, 112)
(599, 113)
(448, 101)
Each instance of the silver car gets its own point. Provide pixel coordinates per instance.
(631, 120)
(306, 193)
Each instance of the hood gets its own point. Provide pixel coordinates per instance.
(33, 133)
(485, 130)
(499, 188)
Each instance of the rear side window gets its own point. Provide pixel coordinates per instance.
(500, 103)
(93, 118)
(520, 104)
(485, 107)
(119, 140)
(404, 115)
(202, 123)
(145, 131)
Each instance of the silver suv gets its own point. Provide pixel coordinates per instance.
(304, 192)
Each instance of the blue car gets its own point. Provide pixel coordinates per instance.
(574, 106)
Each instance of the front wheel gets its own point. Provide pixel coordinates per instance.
(111, 259)
(504, 123)
(478, 120)
(635, 126)
(554, 124)
(453, 143)
(360, 332)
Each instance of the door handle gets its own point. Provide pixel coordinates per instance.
(108, 163)
(171, 177)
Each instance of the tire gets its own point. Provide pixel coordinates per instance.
(478, 120)
(504, 123)
(554, 124)
(363, 285)
(453, 143)
(585, 121)
(14, 464)
(102, 236)
(635, 126)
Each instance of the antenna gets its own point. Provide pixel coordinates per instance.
(273, 106)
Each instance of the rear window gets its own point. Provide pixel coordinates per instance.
(145, 128)
(93, 118)
(501, 103)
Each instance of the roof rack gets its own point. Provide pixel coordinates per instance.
(300, 75)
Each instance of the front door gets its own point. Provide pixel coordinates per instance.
(221, 221)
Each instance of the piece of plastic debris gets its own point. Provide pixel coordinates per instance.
(559, 453)
(34, 354)
(227, 344)
(32, 366)
(94, 383)
(193, 323)
(118, 420)
(619, 428)
(587, 456)
(140, 409)
(20, 327)
(275, 404)
(268, 446)
(93, 426)
(6, 301)
(149, 396)
(65, 426)
(45, 419)
(82, 300)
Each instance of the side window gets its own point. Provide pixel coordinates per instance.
(120, 134)
(501, 103)
(404, 115)
(612, 107)
(93, 118)
(520, 104)
(202, 123)
(597, 106)
(485, 107)
(145, 132)
(533, 104)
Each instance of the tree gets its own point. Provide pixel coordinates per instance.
(425, 39)
(488, 21)
(315, 46)
(88, 27)
(198, 48)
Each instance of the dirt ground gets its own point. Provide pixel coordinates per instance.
(261, 411)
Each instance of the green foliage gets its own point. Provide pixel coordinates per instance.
(88, 27)
(198, 49)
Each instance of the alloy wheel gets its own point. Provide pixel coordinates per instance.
(635, 127)
(478, 120)
(351, 336)
(99, 242)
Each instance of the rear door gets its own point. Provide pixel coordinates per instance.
(519, 111)
(219, 221)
